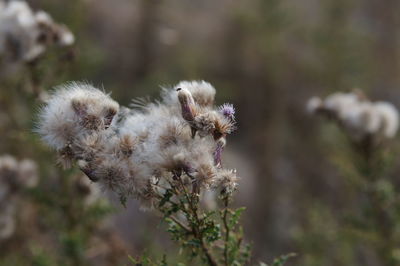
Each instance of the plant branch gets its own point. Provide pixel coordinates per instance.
(183, 226)
(227, 230)
(195, 226)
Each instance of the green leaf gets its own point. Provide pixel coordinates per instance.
(235, 217)
(212, 232)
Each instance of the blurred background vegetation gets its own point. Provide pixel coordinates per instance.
(265, 56)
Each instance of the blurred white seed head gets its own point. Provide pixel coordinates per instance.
(25, 34)
(14, 176)
(17, 174)
(360, 117)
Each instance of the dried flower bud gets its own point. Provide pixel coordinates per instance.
(187, 104)
(218, 151)
(227, 180)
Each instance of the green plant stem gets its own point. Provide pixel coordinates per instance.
(181, 225)
(197, 233)
(381, 220)
(227, 230)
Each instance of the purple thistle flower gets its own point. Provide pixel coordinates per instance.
(228, 110)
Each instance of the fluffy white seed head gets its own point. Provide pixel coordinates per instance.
(72, 112)
(202, 91)
(180, 135)
(228, 180)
